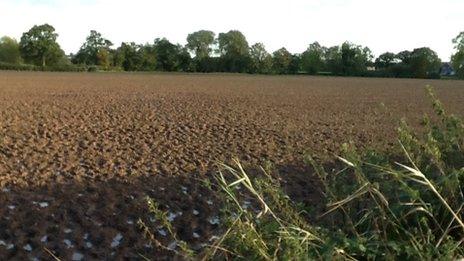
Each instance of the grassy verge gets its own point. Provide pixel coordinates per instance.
(406, 205)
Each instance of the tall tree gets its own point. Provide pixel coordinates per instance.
(234, 51)
(425, 63)
(129, 57)
(39, 46)
(312, 60)
(457, 59)
(354, 58)
(92, 51)
(200, 43)
(295, 64)
(261, 60)
(385, 60)
(333, 59)
(170, 57)
(9, 50)
(281, 60)
(184, 60)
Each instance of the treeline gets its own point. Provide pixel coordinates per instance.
(226, 52)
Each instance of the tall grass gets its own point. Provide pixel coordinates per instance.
(405, 205)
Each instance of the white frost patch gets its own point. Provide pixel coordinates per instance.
(67, 230)
(77, 256)
(86, 236)
(130, 222)
(68, 243)
(246, 204)
(2, 243)
(171, 216)
(5, 190)
(209, 202)
(116, 240)
(172, 245)
(162, 232)
(43, 204)
(9, 246)
(88, 244)
(214, 220)
(196, 235)
(28, 248)
(11, 207)
(44, 239)
(213, 238)
(196, 212)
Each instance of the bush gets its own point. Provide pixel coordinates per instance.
(30, 67)
(404, 205)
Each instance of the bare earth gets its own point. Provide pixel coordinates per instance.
(79, 152)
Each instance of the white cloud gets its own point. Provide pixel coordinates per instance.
(393, 25)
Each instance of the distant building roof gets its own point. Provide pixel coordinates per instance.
(447, 70)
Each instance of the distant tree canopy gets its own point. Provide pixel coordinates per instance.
(226, 52)
(130, 57)
(171, 57)
(281, 60)
(385, 60)
(95, 51)
(419, 63)
(260, 59)
(457, 60)
(9, 50)
(234, 51)
(201, 44)
(312, 60)
(424, 63)
(38, 46)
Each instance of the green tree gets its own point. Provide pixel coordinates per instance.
(104, 57)
(457, 59)
(184, 60)
(39, 46)
(404, 57)
(201, 44)
(425, 63)
(92, 51)
(234, 51)
(281, 60)
(295, 64)
(9, 50)
(129, 57)
(333, 59)
(354, 58)
(312, 60)
(385, 60)
(261, 60)
(171, 57)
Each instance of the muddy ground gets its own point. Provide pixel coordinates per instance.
(79, 152)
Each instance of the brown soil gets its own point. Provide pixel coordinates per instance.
(79, 152)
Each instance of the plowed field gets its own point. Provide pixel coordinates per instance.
(79, 152)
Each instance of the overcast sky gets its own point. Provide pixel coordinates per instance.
(382, 25)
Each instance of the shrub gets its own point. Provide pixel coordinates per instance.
(30, 67)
